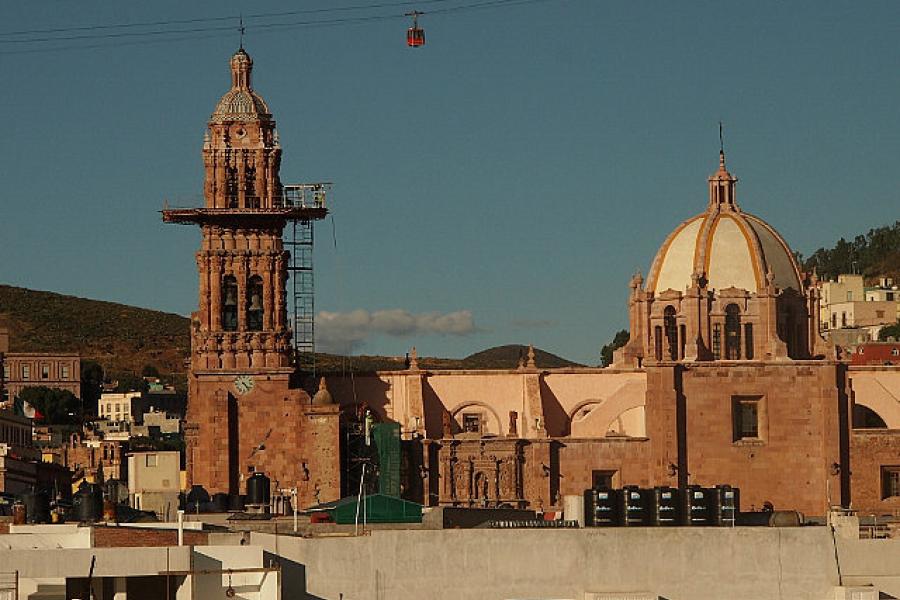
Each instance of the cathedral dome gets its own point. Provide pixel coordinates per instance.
(241, 103)
(727, 246)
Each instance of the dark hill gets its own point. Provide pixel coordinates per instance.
(874, 254)
(507, 357)
(123, 339)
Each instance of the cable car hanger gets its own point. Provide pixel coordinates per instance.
(415, 35)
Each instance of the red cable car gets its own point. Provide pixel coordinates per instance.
(415, 35)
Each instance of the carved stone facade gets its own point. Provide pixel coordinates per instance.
(482, 472)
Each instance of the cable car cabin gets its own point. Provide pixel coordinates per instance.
(415, 37)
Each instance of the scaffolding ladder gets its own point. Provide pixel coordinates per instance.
(300, 269)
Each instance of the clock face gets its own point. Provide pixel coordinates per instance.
(243, 384)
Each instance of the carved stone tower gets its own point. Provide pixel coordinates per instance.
(243, 414)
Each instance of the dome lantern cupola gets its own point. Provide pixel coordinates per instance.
(241, 66)
(721, 187)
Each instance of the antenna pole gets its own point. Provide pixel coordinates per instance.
(241, 29)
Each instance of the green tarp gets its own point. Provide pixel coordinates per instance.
(378, 508)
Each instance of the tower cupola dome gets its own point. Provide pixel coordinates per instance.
(241, 103)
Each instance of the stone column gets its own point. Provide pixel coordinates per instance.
(267, 292)
(214, 300)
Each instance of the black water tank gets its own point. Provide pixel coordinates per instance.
(88, 503)
(606, 512)
(590, 507)
(220, 502)
(695, 505)
(236, 503)
(724, 505)
(258, 490)
(196, 498)
(665, 507)
(633, 507)
(37, 506)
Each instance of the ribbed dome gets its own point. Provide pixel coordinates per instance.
(729, 247)
(241, 103)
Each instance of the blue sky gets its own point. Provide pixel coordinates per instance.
(498, 186)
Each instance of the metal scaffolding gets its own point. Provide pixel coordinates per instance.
(299, 243)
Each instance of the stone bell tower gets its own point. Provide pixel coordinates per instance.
(243, 413)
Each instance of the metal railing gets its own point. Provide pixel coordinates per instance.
(295, 195)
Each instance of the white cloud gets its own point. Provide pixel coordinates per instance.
(342, 333)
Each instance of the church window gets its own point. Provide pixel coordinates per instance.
(255, 303)
(231, 187)
(890, 482)
(657, 339)
(229, 304)
(748, 341)
(732, 332)
(717, 341)
(745, 411)
(471, 423)
(671, 332)
(682, 336)
(603, 480)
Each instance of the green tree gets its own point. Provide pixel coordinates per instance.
(606, 352)
(891, 331)
(56, 407)
(91, 382)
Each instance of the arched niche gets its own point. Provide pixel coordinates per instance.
(464, 415)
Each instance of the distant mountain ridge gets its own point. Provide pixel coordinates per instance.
(124, 339)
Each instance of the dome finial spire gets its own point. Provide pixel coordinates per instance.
(721, 147)
(721, 183)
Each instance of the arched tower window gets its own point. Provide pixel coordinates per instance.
(671, 331)
(732, 332)
(231, 187)
(250, 188)
(255, 303)
(657, 341)
(748, 341)
(229, 303)
(717, 341)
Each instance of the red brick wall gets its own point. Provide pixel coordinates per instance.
(578, 458)
(320, 449)
(128, 537)
(871, 449)
(800, 431)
